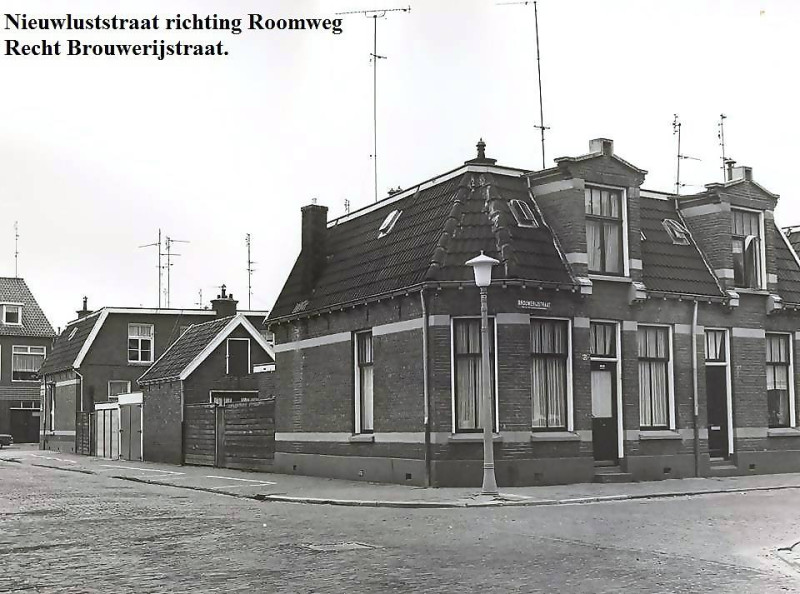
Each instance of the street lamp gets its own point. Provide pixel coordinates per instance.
(482, 267)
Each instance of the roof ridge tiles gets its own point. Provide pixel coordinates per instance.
(450, 226)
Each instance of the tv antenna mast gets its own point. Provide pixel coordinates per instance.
(676, 130)
(160, 253)
(16, 249)
(374, 57)
(540, 126)
(200, 299)
(721, 135)
(168, 243)
(250, 271)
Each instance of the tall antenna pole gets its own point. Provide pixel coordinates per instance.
(676, 129)
(250, 271)
(160, 268)
(16, 249)
(721, 136)
(540, 126)
(168, 242)
(375, 15)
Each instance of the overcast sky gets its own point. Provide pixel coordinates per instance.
(97, 154)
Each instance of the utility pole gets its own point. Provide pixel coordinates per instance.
(250, 271)
(158, 245)
(540, 126)
(16, 249)
(375, 15)
(168, 242)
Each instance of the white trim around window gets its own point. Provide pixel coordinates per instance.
(127, 389)
(671, 413)
(362, 392)
(617, 360)
(762, 243)
(23, 350)
(570, 405)
(5, 309)
(228, 355)
(135, 333)
(453, 426)
(790, 376)
(728, 379)
(626, 265)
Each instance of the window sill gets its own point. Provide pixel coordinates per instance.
(140, 363)
(362, 438)
(747, 291)
(608, 277)
(783, 432)
(554, 436)
(659, 435)
(472, 437)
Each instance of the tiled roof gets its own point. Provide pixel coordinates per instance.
(440, 228)
(184, 350)
(667, 267)
(787, 269)
(67, 345)
(34, 322)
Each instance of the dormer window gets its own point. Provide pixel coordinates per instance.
(388, 223)
(677, 232)
(748, 256)
(523, 214)
(604, 230)
(12, 314)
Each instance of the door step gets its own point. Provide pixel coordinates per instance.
(722, 467)
(611, 474)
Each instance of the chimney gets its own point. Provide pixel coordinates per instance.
(82, 313)
(601, 145)
(224, 305)
(742, 172)
(729, 163)
(481, 159)
(312, 245)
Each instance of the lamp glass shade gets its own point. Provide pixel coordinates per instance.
(482, 268)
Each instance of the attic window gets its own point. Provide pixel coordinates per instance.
(523, 213)
(388, 223)
(12, 314)
(72, 334)
(677, 232)
(644, 237)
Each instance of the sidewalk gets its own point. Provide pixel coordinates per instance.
(314, 490)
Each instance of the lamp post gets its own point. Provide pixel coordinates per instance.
(482, 267)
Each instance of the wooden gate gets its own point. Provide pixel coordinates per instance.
(130, 431)
(235, 435)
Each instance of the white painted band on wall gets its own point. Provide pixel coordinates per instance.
(58, 433)
(581, 322)
(309, 343)
(577, 258)
(438, 320)
(635, 264)
(72, 382)
(682, 328)
(748, 333)
(750, 432)
(628, 326)
(724, 273)
(704, 209)
(512, 318)
(394, 327)
(558, 186)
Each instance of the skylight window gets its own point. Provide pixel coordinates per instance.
(523, 213)
(388, 223)
(677, 232)
(72, 334)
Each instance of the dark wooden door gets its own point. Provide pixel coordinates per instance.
(604, 411)
(24, 425)
(717, 409)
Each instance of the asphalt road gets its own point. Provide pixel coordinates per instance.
(69, 532)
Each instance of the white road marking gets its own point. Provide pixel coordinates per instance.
(231, 478)
(141, 469)
(53, 458)
(240, 486)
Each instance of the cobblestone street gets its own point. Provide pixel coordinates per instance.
(71, 532)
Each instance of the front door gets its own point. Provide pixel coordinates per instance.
(717, 403)
(604, 411)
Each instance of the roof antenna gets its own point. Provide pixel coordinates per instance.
(250, 271)
(540, 126)
(727, 162)
(158, 245)
(375, 15)
(676, 130)
(200, 299)
(168, 242)
(16, 249)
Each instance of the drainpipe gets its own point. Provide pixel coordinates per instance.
(425, 396)
(696, 410)
(80, 409)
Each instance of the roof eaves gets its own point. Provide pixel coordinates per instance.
(164, 354)
(90, 339)
(594, 155)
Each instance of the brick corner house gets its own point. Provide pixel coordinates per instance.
(25, 339)
(635, 334)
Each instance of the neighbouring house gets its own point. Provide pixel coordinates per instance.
(25, 339)
(99, 356)
(209, 398)
(635, 334)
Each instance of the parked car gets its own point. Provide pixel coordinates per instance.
(6, 440)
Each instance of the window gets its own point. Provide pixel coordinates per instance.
(117, 387)
(549, 362)
(677, 232)
(746, 238)
(363, 382)
(12, 314)
(715, 346)
(779, 377)
(238, 356)
(468, 378)
(523, 214)
(140, 343)
(388, 223)
(603, 339)
(50, 406)
(25, 363)
(654, 377)
(72, 334)
(604, 230)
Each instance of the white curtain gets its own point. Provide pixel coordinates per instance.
(468, 374)
(653, 380)
(593, 245)
(366, 398)
(549, 373)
